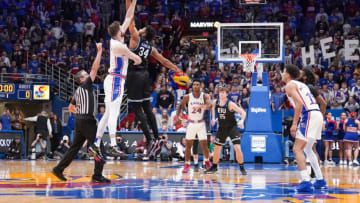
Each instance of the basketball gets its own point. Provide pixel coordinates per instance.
(181, 79)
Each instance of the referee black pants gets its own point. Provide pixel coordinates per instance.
(85, 129)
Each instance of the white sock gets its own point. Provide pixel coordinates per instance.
(187, 162)
(112, 141)
(196, 161)
(206, 159)
(97, 142)
(304, 175)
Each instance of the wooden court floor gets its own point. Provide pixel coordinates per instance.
(31, 181)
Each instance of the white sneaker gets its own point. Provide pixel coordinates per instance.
(350, 163)
(355, 163)
(326, 163)
(332, 163)
(341, 162)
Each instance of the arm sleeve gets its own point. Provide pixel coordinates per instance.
(34, 118)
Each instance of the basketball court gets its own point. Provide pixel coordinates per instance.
(32, 181)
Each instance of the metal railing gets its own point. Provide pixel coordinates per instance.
(24, 78)
(64, 85)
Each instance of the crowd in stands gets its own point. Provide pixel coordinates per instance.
(63, 32)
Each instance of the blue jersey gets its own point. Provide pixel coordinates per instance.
(351, 131)
(330, 126)
(235, 97)
(341, 131)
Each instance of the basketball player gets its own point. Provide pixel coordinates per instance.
(138, 81)
(197, 102)
(307, 77)
(114, 82)
(351, 139)
(227, 128)
(309, 129)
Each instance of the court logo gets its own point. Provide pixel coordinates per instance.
(41, 92)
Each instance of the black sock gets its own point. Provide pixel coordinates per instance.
(215, 165)
(241, 166)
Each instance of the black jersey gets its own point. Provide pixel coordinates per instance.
(143, 49)
(226, 117)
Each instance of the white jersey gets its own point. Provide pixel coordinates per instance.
(307, 99)
(118, 61)
(194, 112)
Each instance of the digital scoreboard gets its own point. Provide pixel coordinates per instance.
(14, 91)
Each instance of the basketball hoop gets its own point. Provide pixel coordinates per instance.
(248, 62)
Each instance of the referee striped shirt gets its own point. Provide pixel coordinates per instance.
(84, 99)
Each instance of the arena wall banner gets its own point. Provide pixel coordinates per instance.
(7, 136)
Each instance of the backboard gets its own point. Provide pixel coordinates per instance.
(264, 39)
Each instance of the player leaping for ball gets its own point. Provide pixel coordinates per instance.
(114, 82)
(138, 82)
(197, 102)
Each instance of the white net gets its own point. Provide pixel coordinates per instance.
(249, 61)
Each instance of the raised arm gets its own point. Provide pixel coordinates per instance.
(96, 63)
(121, 50)
(129, 16)
(164, 61)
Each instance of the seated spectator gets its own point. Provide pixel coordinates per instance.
(122, 145)
(180, 149)
(351, 106)
(5, 120)
(165, 127)
(15, 76)
(165, 116)
(127, 126)
(165, 154)
(39, 144)
(63, 147)
(165, 99)
(140, 147)
(14, 150)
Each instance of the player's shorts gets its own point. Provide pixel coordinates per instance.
(224, 132)
(138, 84)
(310, 126)
(114, 88)
(194, 129)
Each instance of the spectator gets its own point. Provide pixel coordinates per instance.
(351, 106)
(165, 154)
(43, 129)
(6, 120)
(157, 117)
(101, 113)
(34, 64)
(234, 95)
(355, 91)
(165, 99)
(56, 132)
(15, 76)
(79, 27)
(62, 148)
(140, 147)
(180, 149)
(277, 99)
(165, 126)
(245, 99)
(122, 145)
(89, 29)
(337, 97)
(15, 150)
(57, 31)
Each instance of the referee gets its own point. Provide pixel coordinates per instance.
(83, 105)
